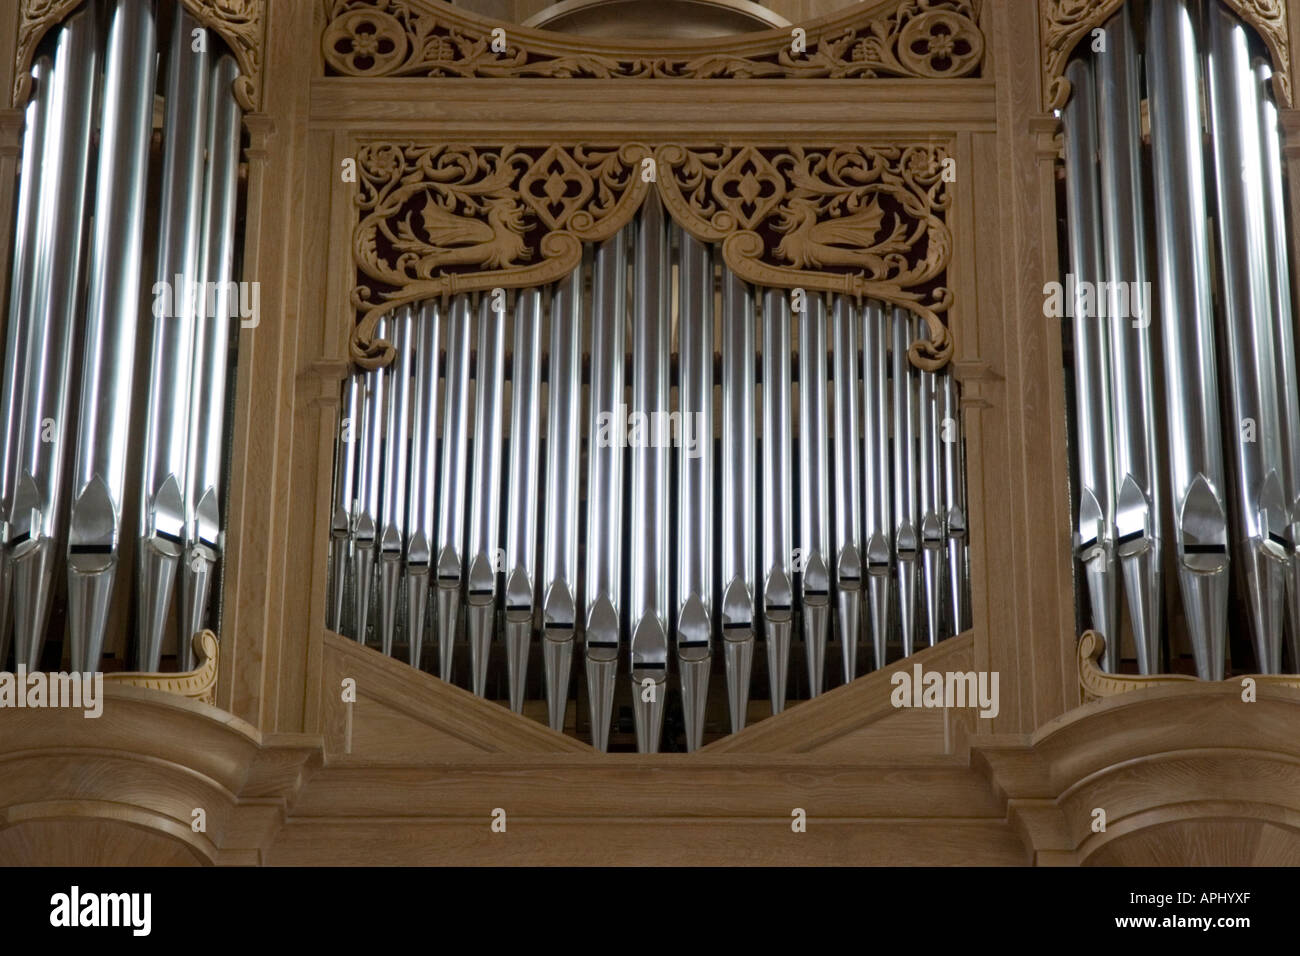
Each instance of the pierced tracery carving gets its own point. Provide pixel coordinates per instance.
(864, 221)
(241, 23)
(1063, 23)
(893, 38)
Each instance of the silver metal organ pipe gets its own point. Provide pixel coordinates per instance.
(365, 532)
(1138, 514)
(649, 460)
(1284, 336)
(521, 490)
(112, 309)
(391, 537)
(605, 481)
(907, 543)
(954, 490)
(776, 517)
(485, 511)
(1261, 517)
(738, 495)
(1191, 387)
(814, 502)
(930, 497)
(695, 481)
(563, 451)
(422, 529)
(162, 488)
(848, 479)
(1094, 534)
(345, 497)
(876, 471)
(36, 516)
(211, 354)
(452, 492)
(22, 307)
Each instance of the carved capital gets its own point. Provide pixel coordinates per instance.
(1063, 23)
(866, 221)
(888, 38)
(241, 23)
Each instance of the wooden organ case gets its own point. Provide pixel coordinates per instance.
(898, 165)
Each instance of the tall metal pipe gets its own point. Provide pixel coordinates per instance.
(739, 482)
(1138, 509)
(485, 482)
(370, 483)
(954, 493)
(162, 505)
(423, 517)
(1284, 334)
(22, 317)
(343, 517)
(877, 529)
(1261, 516)
(521, 489)
(848, 479)
(907, 539)
(1191, 385)
(224, 300)
(452, 492)
(649, 461)
(930, 499)
(115, 259)
(563, 454)
(1095, 531)
(391, 539)
(605, 455)
(36, 517)
(777, 517)
(695, 481)
(814, 502)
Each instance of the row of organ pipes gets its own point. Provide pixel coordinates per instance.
(1187, 415)
(88, 441)
(685, 540)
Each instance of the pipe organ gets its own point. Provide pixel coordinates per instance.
(1209, 493)
(823, 431)
(119, 335)
(608, 430)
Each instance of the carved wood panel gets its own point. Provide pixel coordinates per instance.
(894, 38)
(866, 221)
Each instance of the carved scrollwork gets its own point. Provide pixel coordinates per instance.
(241, 23)
(198, 684)
(1096, 683)
(892, 38)
(1063, 23)
(436, 220)
(864, 221)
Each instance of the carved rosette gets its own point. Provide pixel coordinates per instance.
(241, 23)
(1063, 23)
(1096, 683)
(858, 220)
(891, 38)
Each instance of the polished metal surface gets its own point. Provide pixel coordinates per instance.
(814, 499)
(391, 538)
(776, 513)
(1094, 539)
(422, 521)
(907, 539)
(877, 473)
(847, 482)
(453, 496)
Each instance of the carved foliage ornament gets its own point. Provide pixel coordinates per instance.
(859, 220)
(241, 23)
(894, 38)
(1063, 23)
